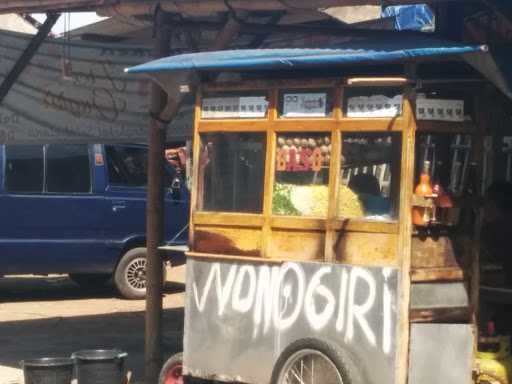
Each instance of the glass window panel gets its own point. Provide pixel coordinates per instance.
(443, 104)
(68, 169)
(231, 172)
(302, 174)
(234, 105)
(371, 102)
(370, 176)
(305, 103)
(24, 168)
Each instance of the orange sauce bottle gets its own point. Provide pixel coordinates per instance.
(422, 215)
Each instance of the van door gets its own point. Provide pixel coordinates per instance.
(53, 220)
(126, 197)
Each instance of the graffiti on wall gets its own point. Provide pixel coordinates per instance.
(77, 92)
(347, 300)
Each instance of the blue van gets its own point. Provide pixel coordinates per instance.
(80, 209)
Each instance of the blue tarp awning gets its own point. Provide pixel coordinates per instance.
(494, 64)
(371, 52)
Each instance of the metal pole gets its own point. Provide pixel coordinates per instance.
(162, 107)
(155, 212)
(27, 54)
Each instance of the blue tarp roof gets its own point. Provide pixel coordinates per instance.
(494, 64)
(372, 52)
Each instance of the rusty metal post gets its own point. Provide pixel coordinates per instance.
(155, 212)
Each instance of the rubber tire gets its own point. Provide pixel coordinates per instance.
(171, 362)
(345, 367)
(90, 280)
(122, 286)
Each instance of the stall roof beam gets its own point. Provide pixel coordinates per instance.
(269, 29)
(27, 54)
(203, 7)
(499, 10)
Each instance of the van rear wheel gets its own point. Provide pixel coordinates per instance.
(90, 280)
(130, 274)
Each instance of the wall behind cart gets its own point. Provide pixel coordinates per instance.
(77, 92)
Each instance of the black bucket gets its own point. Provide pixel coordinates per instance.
(48, 370)
(100, 366)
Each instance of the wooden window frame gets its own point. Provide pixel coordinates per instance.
(272, 124)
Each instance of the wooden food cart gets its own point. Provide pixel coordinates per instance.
(305, 265)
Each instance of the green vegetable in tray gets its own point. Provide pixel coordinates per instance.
(282, 202)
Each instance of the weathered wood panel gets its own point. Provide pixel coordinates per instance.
(297, 245)
(227, 240)
(378, 249)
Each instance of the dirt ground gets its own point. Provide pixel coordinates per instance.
(51, 316)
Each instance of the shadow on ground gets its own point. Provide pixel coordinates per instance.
(61, 336)
(55, 288)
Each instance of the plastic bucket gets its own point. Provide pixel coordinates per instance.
(48, 370)
(100, 366)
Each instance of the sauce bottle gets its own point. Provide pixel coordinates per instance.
(421, 216)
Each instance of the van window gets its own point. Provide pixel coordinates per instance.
(68, 169)
(24, 168)
(127, 166)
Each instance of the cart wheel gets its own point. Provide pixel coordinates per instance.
(172, 371)
(311, 361)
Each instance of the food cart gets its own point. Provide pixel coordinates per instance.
(305, 265)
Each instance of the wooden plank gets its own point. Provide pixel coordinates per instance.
(197, 184)
(350, 124)
(440, 315)
(268, 187)
(482, 107)
(369, 249)
(361, 225)
(227, 240)
(228, 219)
(272, 84)
(305, 125)
(338, 102)
(432, 252)
(297, 245)
(309, 125)
(245, 259)
(348, 225)
(404, 237)
(298, 222)
(334, 183)
(437, 274)
(245, 125)
(446, 127)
